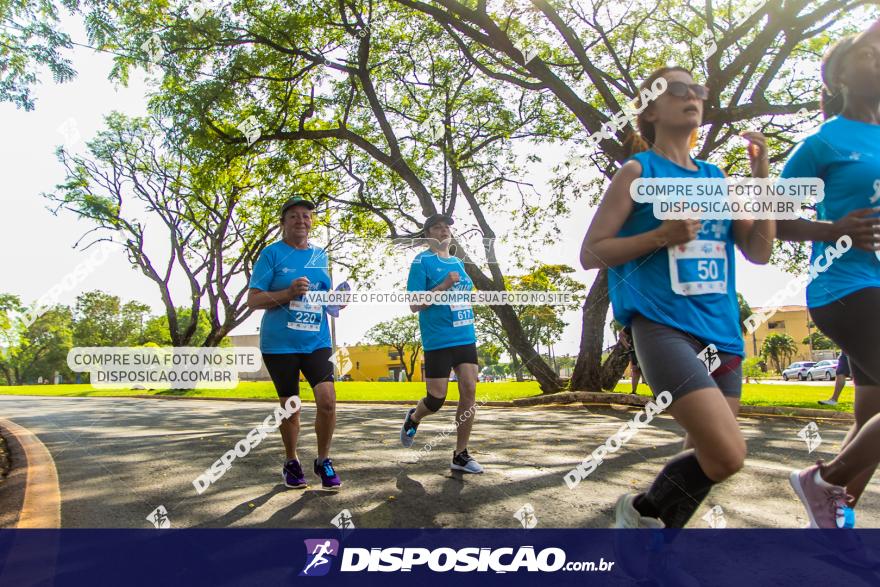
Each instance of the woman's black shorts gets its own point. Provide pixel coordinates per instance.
(285, 368)
(853, 322)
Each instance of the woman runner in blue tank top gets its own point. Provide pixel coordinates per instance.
(672, 282)
(844, 298)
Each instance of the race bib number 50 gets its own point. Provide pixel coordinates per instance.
(698, 267)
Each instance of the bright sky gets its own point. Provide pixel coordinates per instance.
(37, 248)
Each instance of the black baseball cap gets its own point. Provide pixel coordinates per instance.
(296, 201)
(434, 219)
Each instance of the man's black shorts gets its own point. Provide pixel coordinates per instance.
(439, 362)
(285, 369)
(843, 366)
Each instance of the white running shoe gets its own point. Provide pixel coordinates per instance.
(627, 516)
(465, 462)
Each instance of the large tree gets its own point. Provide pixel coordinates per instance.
(416, 112)
(381, 93)
(33, 349)
(542, 325)
(157, 331)
(181, 212)
(31, 40)
(403, 335)
(101, 319)
(591, 57)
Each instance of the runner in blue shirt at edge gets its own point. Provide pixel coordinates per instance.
(673, 283)
(844, 299)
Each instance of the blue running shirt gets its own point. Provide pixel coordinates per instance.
(295, 327)
(442, 326)
(691, 287)
(845, 154)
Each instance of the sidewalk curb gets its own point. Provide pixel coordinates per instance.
(41, 507)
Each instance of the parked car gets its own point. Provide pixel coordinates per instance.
(798, 370)
(823, 370)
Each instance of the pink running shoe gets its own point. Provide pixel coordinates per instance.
(826, 504)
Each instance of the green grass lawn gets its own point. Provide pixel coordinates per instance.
(345, 391)
(763, 394)
(754, 394)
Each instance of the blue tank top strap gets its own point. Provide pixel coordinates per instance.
(691, 287)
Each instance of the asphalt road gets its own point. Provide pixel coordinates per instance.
(119, 459)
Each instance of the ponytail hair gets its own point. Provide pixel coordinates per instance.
(832, 103)
(635, 143)
(643, 139)
(833, 98)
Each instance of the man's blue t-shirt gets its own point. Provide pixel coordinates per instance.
(295, 327)
(690, 287)
(442, 326)
(845, 154)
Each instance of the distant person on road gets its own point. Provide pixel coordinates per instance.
(844, 299)
(635, 371)
(841, 373)
(672, 282)
(295, 335)
(448, 338)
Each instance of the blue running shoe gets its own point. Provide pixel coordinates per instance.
(293, 475)
(329, 479)
(408, 431)
(846, 517)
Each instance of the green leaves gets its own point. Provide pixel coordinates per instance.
(29, 41)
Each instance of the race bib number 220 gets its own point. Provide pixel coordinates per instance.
(304, 316)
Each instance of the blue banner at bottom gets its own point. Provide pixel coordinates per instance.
(361, 557)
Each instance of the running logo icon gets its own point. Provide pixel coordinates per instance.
(319, 556)
(159, 517)
(526, 516)
(710, 358)
(715, 517)
(810, 435)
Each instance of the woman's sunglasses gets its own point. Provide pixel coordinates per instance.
(680, 90)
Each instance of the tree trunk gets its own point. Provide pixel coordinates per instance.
(413, 361)
(532, 361)
(514, 360)
(587, 375)
(614, 366)
(216, 335)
